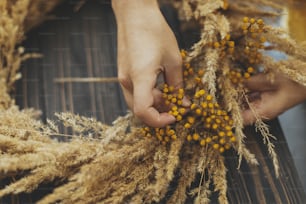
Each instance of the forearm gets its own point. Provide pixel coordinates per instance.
(132, 15)
(122, 8)
(146, 47)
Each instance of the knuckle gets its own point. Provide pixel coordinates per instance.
(138, 111)
(124, 80)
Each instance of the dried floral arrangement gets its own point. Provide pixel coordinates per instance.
(125, 163)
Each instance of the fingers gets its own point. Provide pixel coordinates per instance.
(158, 104)
(259, 82)
(266, 107)
(144, 103)
(261, 99)
(145, 100)
(173, 72)
(263, 112)
(159, 101)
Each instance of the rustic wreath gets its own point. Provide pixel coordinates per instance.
(130, 163)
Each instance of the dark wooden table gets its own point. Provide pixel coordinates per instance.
(83, 44)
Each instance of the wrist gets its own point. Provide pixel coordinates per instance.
(122, 8)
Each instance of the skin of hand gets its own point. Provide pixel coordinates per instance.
(146, 48)
(270, 99)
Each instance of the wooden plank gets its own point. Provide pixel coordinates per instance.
(79, 44)
(258, 184)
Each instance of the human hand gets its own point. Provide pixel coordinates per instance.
(146, 48)
(271, 99)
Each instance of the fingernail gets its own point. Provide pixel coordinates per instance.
(186, 102)
(171, 118)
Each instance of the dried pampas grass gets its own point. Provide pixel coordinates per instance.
(124, 163)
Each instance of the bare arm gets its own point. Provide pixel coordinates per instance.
(146, 47)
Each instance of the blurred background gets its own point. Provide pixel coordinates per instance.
(293, 121)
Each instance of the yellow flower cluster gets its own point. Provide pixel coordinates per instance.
(226, 45)
(203, 122)
(254, 40)
(175, 99)
(164, 135)
(208, 124)
(237, 76)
